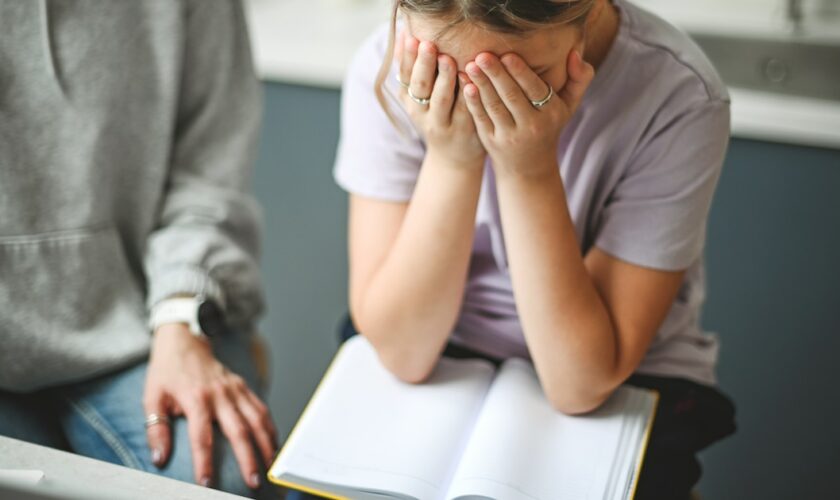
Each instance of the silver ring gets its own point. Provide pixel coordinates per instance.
(155, 419)
(402, 83)
(419, 100)
(542, 102)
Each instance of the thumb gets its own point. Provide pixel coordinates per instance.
(580, 75)
(158, 432)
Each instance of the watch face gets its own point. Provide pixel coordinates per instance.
(211, 319)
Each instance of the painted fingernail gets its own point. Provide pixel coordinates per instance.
(156, 456)
(205, 481)
(255, 480)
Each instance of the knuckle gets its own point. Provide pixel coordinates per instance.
(496, 107)
(482, 117)
(198, 396)
(238, 382)
(422, 85)
(511, 94)
(262, 411)
(203, 436)
(218, 387)
(239, 432)
(510, 61)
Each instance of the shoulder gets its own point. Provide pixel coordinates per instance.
(668, 60)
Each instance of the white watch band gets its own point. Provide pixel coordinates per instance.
(177, 310)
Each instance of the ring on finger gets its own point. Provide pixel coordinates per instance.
(423, 101)
(153, 419)
(542, 102)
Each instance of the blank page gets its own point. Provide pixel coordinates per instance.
(522, 449)
(366, 430)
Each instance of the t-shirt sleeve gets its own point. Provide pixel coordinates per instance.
(656, 216)
(375, 159)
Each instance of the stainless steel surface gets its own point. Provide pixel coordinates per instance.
(794, 13)
(794, 67)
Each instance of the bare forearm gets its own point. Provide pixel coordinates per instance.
(411, 303)
(566, 324)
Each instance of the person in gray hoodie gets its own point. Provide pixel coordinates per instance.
(129, 283)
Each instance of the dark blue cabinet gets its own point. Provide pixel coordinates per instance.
(773, 270)
(773, 293)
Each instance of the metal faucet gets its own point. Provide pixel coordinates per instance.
(794, 14)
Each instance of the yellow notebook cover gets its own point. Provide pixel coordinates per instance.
(333, 496)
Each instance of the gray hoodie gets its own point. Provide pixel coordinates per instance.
(127, 132)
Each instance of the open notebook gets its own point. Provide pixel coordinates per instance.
(471, 432)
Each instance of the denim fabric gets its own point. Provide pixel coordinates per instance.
(103, 419)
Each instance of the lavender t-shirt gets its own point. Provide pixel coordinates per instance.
(640, 161)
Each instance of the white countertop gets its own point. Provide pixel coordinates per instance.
(42, 472)
(749, 18)
(311, 42)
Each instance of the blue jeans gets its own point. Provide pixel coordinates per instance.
(103, 419)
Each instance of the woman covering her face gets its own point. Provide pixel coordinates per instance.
(532, 178)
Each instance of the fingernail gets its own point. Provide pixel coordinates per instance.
(473, 69)
(156, 456)
(255, 480)
(205, 481)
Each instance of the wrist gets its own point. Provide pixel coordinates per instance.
(440, 157)
(177, 337)
(524, 173)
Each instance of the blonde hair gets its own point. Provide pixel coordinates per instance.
(505, 16)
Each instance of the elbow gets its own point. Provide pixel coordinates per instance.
(574, 407)
(576, 401)
(410, 369)
(408, 363)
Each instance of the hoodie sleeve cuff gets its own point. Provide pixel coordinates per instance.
(184, 281)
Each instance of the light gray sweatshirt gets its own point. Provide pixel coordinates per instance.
(127, 132)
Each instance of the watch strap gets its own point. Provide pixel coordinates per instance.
(177, 310)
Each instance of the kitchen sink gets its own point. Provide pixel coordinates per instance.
(805, 68)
